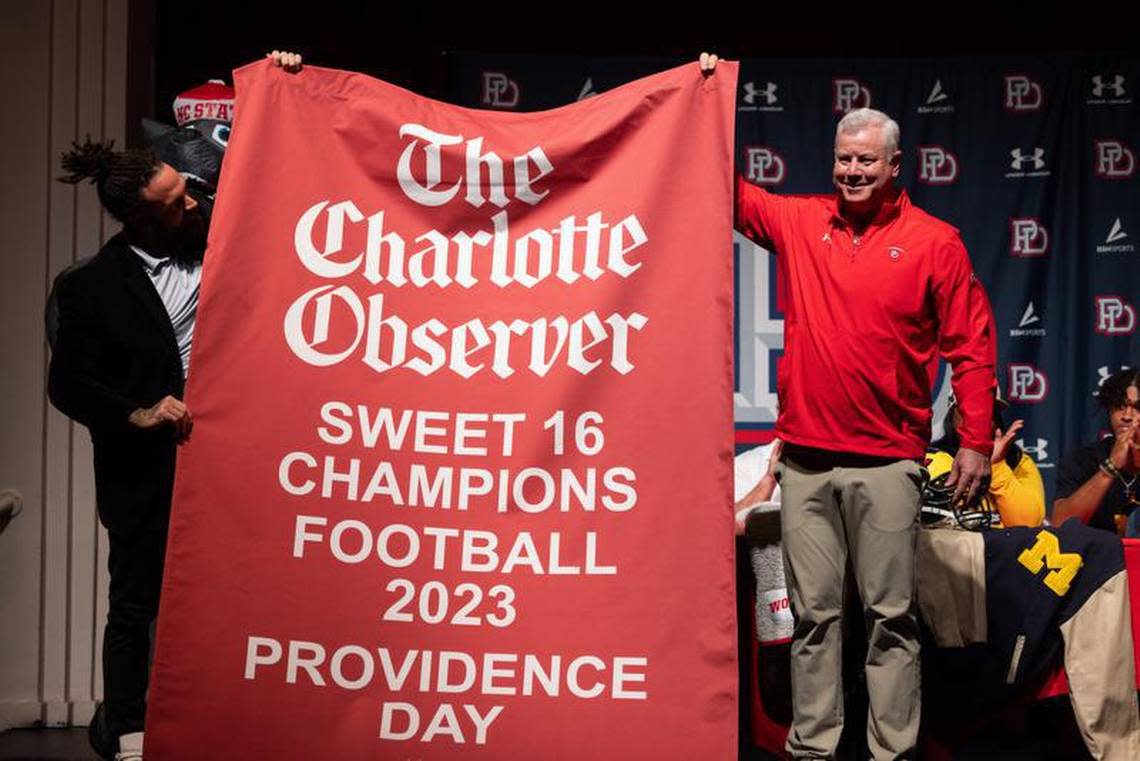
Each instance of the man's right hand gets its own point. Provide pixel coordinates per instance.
(290, 62)
(708, 63)
(167, 410)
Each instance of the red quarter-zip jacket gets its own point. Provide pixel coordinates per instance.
(865, 319)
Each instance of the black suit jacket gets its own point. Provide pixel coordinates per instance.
(115, 352)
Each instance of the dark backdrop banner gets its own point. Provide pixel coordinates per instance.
(460, 479)
(1033, 159)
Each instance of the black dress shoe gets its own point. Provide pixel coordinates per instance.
(104, 746)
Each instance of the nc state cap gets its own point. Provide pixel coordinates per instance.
(213, 100)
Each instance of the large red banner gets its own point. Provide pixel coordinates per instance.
(460, 477)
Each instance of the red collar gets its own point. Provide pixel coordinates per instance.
(887, 212)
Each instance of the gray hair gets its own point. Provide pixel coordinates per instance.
(861, 118)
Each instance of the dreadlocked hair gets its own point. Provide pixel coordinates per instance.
(118, 176)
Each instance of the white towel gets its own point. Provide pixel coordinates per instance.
(773, 609)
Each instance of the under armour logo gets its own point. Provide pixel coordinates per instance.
(1039, 452)
(768, 93)
(1020, 159)
(1116, 85)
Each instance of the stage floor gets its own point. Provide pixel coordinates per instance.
(46, 745)
(71, 745)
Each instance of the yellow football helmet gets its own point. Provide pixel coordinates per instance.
(935, 502)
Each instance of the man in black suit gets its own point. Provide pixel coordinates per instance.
(119, 367)
(120, 357)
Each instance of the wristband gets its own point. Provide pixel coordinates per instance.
(1109, 469)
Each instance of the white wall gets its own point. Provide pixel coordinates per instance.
(63, 74)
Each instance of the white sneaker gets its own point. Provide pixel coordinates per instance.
(130, 747)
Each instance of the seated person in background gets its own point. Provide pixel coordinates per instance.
(1016, 490)
(748, 466)
(1099, 483)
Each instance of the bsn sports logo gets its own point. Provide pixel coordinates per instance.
(1112, 242)
(1114, 316)
(1039, 451)
(1027, 384)
(760, 98)
(1108, 90)
(937, 166)
(937, 102)
(1027, 163)
(1028, 317)
(1114, 161)
(765, 166)
(1027, 237)
(850, 94)
(1022, 93)
(499, 90)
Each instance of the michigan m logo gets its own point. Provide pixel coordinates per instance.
(1063, 566)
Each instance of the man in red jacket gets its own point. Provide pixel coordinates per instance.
(876, 290)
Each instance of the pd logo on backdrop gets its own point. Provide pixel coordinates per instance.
(1027, 384)
(936, 165)
(849, 94)
(1022, 94)
(1114, 316)
(765, 166)
(499, 90)
(1114, 160)
(1028, 238)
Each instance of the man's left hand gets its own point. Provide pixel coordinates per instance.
(970, 476)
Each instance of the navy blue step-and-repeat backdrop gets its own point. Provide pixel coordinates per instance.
(1033, 159)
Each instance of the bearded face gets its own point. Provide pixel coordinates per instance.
(195, 150)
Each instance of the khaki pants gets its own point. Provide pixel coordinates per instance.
(832, 510)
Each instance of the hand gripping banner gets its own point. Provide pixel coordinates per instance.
(460, 479)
